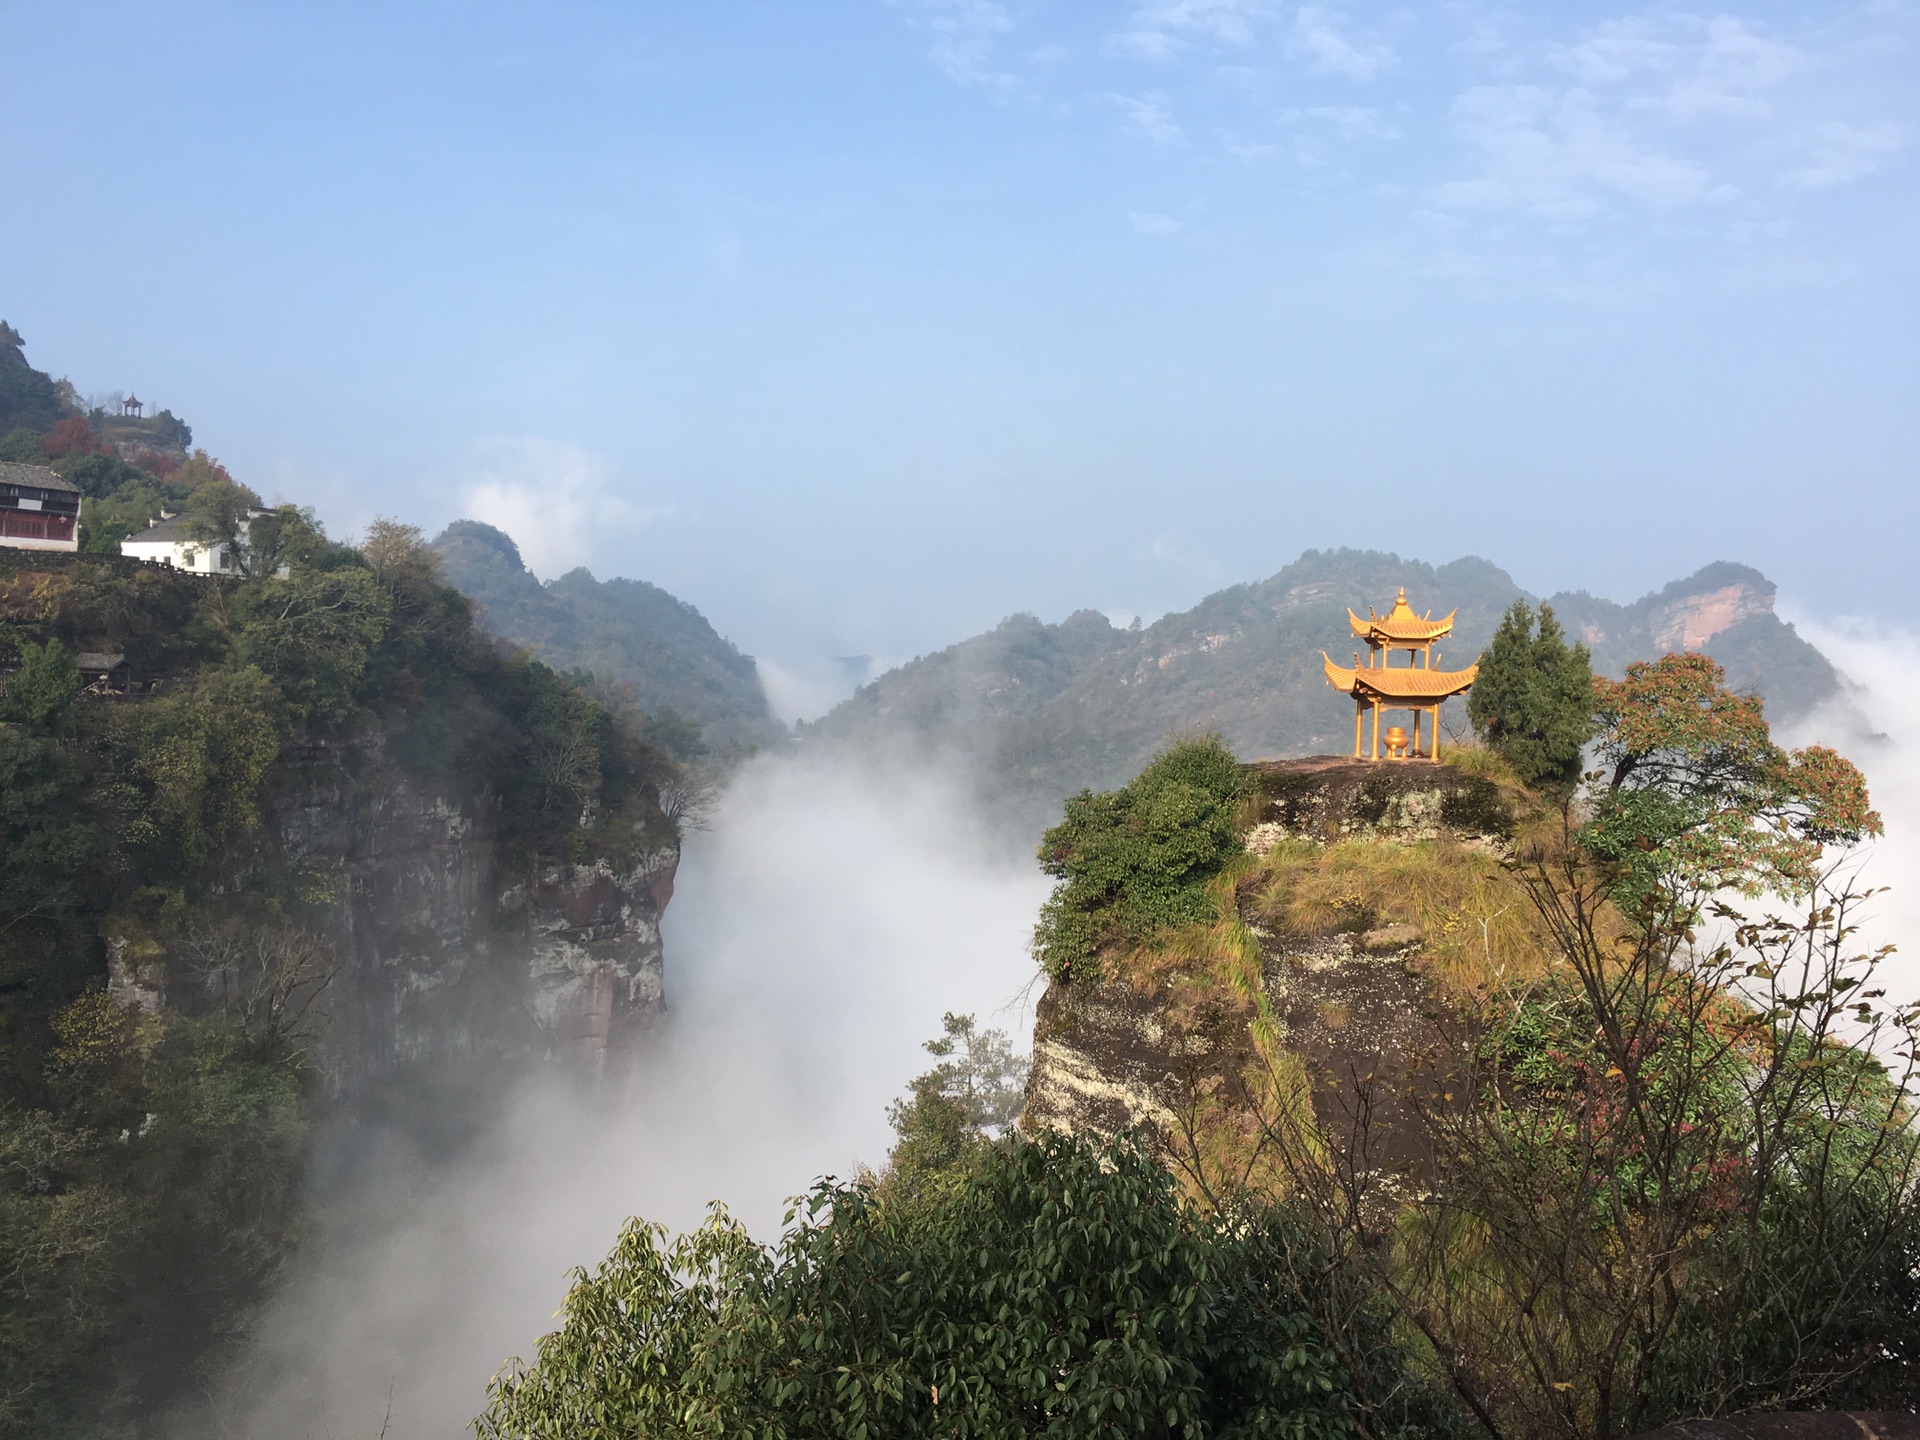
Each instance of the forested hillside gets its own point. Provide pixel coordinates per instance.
(1044, 711)
(625, 632)
(205, 928)
(30, 399)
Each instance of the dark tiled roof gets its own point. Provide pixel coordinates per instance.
(171, 532)
(38, 477)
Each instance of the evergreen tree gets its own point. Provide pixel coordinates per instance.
(40, 691)
(1533, 701)
(974, 1092)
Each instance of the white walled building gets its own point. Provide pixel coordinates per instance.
(171, 541)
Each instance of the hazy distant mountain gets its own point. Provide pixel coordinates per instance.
(1048, 709)
(625, 631)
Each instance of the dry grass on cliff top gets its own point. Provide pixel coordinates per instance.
(1204, 967)
(1234, 1075)
(1476, 924)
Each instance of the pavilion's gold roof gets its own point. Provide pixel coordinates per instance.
(1400, 625)
(1413, 684)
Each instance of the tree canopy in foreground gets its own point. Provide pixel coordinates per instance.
(1058, 1287)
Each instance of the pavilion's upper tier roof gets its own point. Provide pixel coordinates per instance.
(1400, 626)
(1411, 685)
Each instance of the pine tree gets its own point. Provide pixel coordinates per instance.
(1533, 701)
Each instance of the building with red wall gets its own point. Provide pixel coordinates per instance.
(38, 510)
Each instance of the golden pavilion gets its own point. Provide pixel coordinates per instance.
(1419, 685)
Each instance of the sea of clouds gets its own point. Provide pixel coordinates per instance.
(821, 927)
(822, 924)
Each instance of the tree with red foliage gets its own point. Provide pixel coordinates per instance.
(71, 437)
(1697, 797)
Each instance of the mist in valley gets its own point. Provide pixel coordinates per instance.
(822, 923)
(821, 926)
(1872, 722)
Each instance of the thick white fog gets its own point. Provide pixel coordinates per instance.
(821, 927)
(1876, 724)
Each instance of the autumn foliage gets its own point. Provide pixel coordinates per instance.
(71, 437)
(1695, 792)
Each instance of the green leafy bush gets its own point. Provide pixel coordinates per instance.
(202, 755)
(39, 692)
(1135, 861)
(313, 634)
(974, 1092)
(138, 1215)
(1061, 1288)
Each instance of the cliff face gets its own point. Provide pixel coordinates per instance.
(446, 949)
(1114, 1054)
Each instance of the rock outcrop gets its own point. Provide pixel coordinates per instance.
(450, 947)
(1106, 1055)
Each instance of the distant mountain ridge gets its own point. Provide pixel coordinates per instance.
(1046, 710)
(623, 631)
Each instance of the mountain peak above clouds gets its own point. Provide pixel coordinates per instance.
(1041, 711)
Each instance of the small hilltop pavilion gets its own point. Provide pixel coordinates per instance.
(1380, 685)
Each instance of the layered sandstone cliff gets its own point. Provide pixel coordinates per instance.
(1149, 1051)
(449, 942)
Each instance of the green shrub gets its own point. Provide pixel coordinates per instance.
(313, 634)
(1059, 1288)
(973, 1093)
(43, 687)
(1136, 861)
(202, 756)
(46, 842)
(140, 1216)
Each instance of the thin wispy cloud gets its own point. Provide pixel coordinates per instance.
(1838, 153)
(1727, 115)
(1147, 116)
(1159, 31)
(1148, 222)
(1560, 157)
(1683, 66)
(1655, 114)
(1352, 122)
(967, 36)
(1733, 72)
(1321, 39)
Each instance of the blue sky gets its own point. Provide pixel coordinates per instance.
(864, 324)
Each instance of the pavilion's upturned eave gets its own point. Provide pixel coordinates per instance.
(1397, 685)
(1391, 628)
